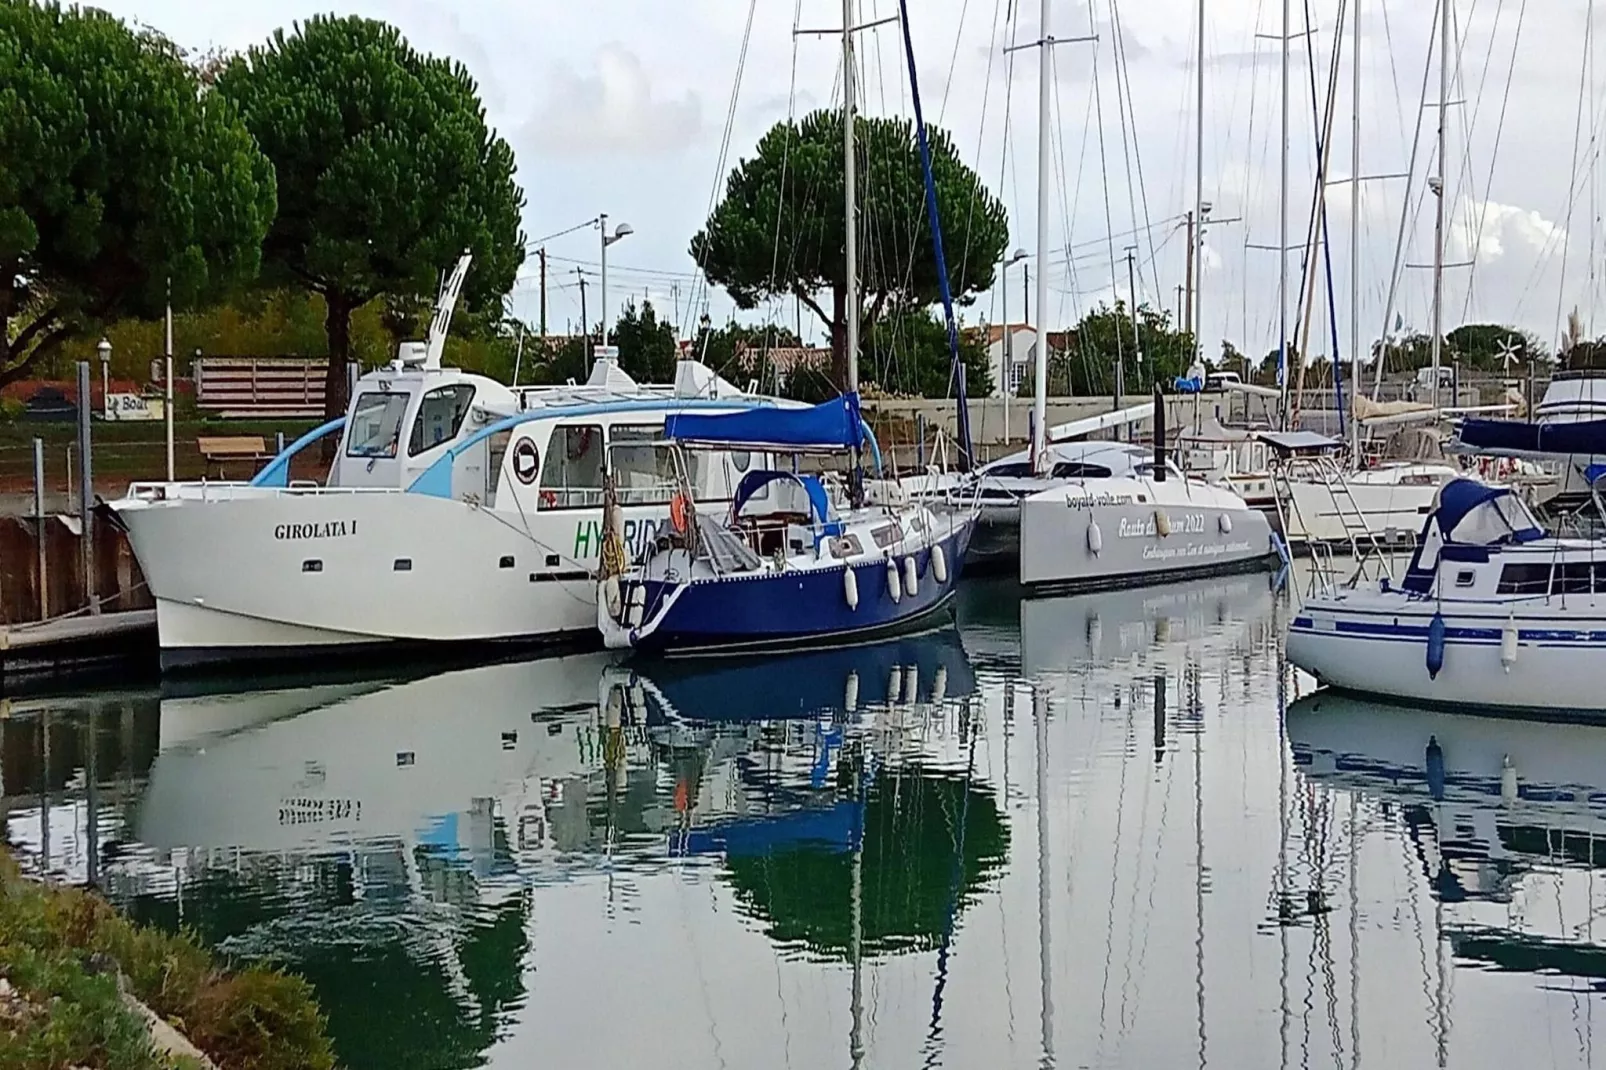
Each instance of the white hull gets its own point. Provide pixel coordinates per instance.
(1113, 532)
(1394, 511)
(1557, 668)
(383, 568)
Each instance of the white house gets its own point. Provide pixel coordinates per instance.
(1011, 350)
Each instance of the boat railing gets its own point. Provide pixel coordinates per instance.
(232, 490)
(1366, 545)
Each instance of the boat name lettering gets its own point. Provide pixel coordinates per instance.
(328, 529)
(304, 811)
(638, 532)
(1181, 524)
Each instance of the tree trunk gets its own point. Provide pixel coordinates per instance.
(839, 339)
(337, 330)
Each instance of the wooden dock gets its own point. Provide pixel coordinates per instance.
(30, 653)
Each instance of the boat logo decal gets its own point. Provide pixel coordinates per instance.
(526, 461)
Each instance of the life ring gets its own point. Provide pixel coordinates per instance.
(678, 510)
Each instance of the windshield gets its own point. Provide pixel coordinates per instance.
(376, 422)
(643, 466)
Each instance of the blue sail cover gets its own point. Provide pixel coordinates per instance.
(1514, 438)
(835, 425)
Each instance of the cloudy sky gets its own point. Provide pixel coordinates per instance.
(621, 106)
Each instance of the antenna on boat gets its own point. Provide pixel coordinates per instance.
(435, 344)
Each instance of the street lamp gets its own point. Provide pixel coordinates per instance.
(1009, 337)
(624, 230)
(104, 348)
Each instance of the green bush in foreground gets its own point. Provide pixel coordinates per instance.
(51, 937)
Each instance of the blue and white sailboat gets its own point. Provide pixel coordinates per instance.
(798, 559)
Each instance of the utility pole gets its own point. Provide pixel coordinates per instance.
(585, 322)
(541, 253)
(1026, 294)
(1187, 316)
(1179, 305)
(1137, 339)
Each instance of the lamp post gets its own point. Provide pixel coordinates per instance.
(104, 349)
(624, 230)
(1009, 337)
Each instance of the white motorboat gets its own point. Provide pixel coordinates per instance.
(1492, 612)
(457, 510)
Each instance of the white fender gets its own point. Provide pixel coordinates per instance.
(895, 683)
(939, 564)
(911, 577)
(1095, 538)
(1508, 781)
(1508, 643)
(894, 584)
(1162, 522)
(612, 598)
(911, 685)
(1224, 522)
(850, 588)
(637, 607)
(939, 685)
(1095, 634)
(850, 693)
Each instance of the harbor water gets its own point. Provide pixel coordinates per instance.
(1108, 830)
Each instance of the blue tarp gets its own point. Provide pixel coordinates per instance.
(1512, 437)
(835, 425)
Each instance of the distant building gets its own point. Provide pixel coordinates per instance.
(778, 364)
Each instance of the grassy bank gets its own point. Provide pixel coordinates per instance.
(61, 951)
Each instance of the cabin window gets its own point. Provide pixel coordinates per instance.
(440, 416)
(1573, 577)
(312, 565)
(505, 562)
(402, 564)
(1078, 470)
(1524, 579)
(644, 467)
(1012, 470)
(376, 421)
(572, 477)
(1464, 579)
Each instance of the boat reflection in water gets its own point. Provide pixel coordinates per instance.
(406, 844)
(1505, 818)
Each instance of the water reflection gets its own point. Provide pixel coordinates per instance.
(1067, 832)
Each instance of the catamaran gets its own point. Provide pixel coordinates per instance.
(457, 510)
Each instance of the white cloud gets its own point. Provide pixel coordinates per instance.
(1486, 231)
(612, 110)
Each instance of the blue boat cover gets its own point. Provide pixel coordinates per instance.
(1512, 437)
(753, 482)
(834, 424)
(1459, 497)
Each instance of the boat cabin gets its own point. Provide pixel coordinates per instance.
(1483, 543)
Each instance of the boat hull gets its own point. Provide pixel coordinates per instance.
(797, 607)
(1393, 511)
(1059, 551)
(285, 575)
(1383, 651)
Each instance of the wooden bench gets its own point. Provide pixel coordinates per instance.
(218, 450)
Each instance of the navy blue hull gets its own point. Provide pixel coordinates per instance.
(790, 609)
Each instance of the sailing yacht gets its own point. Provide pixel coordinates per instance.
(796, 560)
(457, 510)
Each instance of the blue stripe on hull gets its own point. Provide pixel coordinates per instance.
(793, 608)
(1479, 636)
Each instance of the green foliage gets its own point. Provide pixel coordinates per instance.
(1085, 360)
(255, 1018)
(12, 410)
(66, 1016)
(908, 354)
(779, 229)
(647, 345)
(118, 175)
(386, 168)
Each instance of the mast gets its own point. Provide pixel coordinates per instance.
(1355, 232)
(1196, 221)
(850, 194)
(1040, 365)
(1438, 215)
(1045, 961)
(1282, 233)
